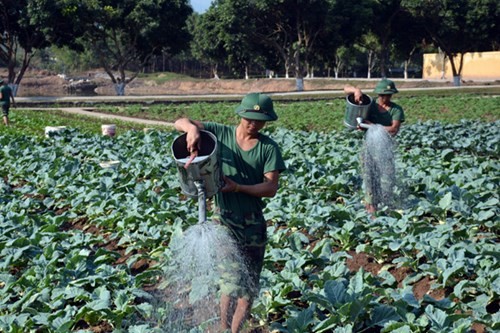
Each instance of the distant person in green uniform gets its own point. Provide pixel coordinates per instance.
(5, 96)
(251, 164)
(382, 110)
(390, 115)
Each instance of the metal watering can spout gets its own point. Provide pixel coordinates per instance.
(361, 124)
(202, 203)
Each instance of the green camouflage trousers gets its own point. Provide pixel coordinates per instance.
(240, 277)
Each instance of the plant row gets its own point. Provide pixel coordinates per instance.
(84, 246)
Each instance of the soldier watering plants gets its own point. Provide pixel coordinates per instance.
(251, 165)
(378, 155)
(382, 110)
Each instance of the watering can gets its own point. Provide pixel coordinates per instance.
(203, 169)
(355, 110)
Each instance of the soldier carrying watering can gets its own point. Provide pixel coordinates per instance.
(378, 157)
(382, 111)
(251, 164)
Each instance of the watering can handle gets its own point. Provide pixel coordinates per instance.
(194, 153)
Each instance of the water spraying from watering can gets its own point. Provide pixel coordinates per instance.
(199, 259)
(379, 171)
(378, 161)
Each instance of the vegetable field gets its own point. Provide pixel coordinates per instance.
(83, 249)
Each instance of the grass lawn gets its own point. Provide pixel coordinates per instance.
(322, 115)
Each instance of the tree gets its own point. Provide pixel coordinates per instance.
(346, 23)
(412, 38)
(385, 13)
(459, 26)
(343, 55)
(369, 44)
(205, 44)
(273, 33)
(293, 28)
(19, 36)
(131, 32)
(124, 34)
(223, 34)
(236, 22)
(228, 32)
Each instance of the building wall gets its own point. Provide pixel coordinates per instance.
(477, 66)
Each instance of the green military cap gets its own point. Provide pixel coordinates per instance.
(257, 106)
(385, 87)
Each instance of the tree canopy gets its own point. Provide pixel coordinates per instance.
(459, 26)
(19, 34)
(124, 34)
(294, 36)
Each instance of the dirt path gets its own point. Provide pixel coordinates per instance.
(90, 112)
(43, 83)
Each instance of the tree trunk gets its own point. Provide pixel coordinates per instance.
(12, 71)
(120, 88)
(214, 71)
(408, 61)
(338, 67)
(382, 62)
(14, 88)
(457, 72)
(370, 56)
(9, 57)
(310, 71)
(16, 79)
(299, 79)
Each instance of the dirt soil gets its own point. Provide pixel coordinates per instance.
(45, 83)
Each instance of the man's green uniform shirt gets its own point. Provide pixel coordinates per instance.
(244, 167)
(385, 118)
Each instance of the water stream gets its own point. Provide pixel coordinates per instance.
(379, 169)
(203, 255)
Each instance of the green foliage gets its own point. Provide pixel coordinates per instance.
(34, 122)
(54, 277)
(65, 60)
(121, 35)
(223, 35)
(434, 233)
(305, 115)
(20, 34)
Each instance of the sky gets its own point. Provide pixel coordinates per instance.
(200, 6)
